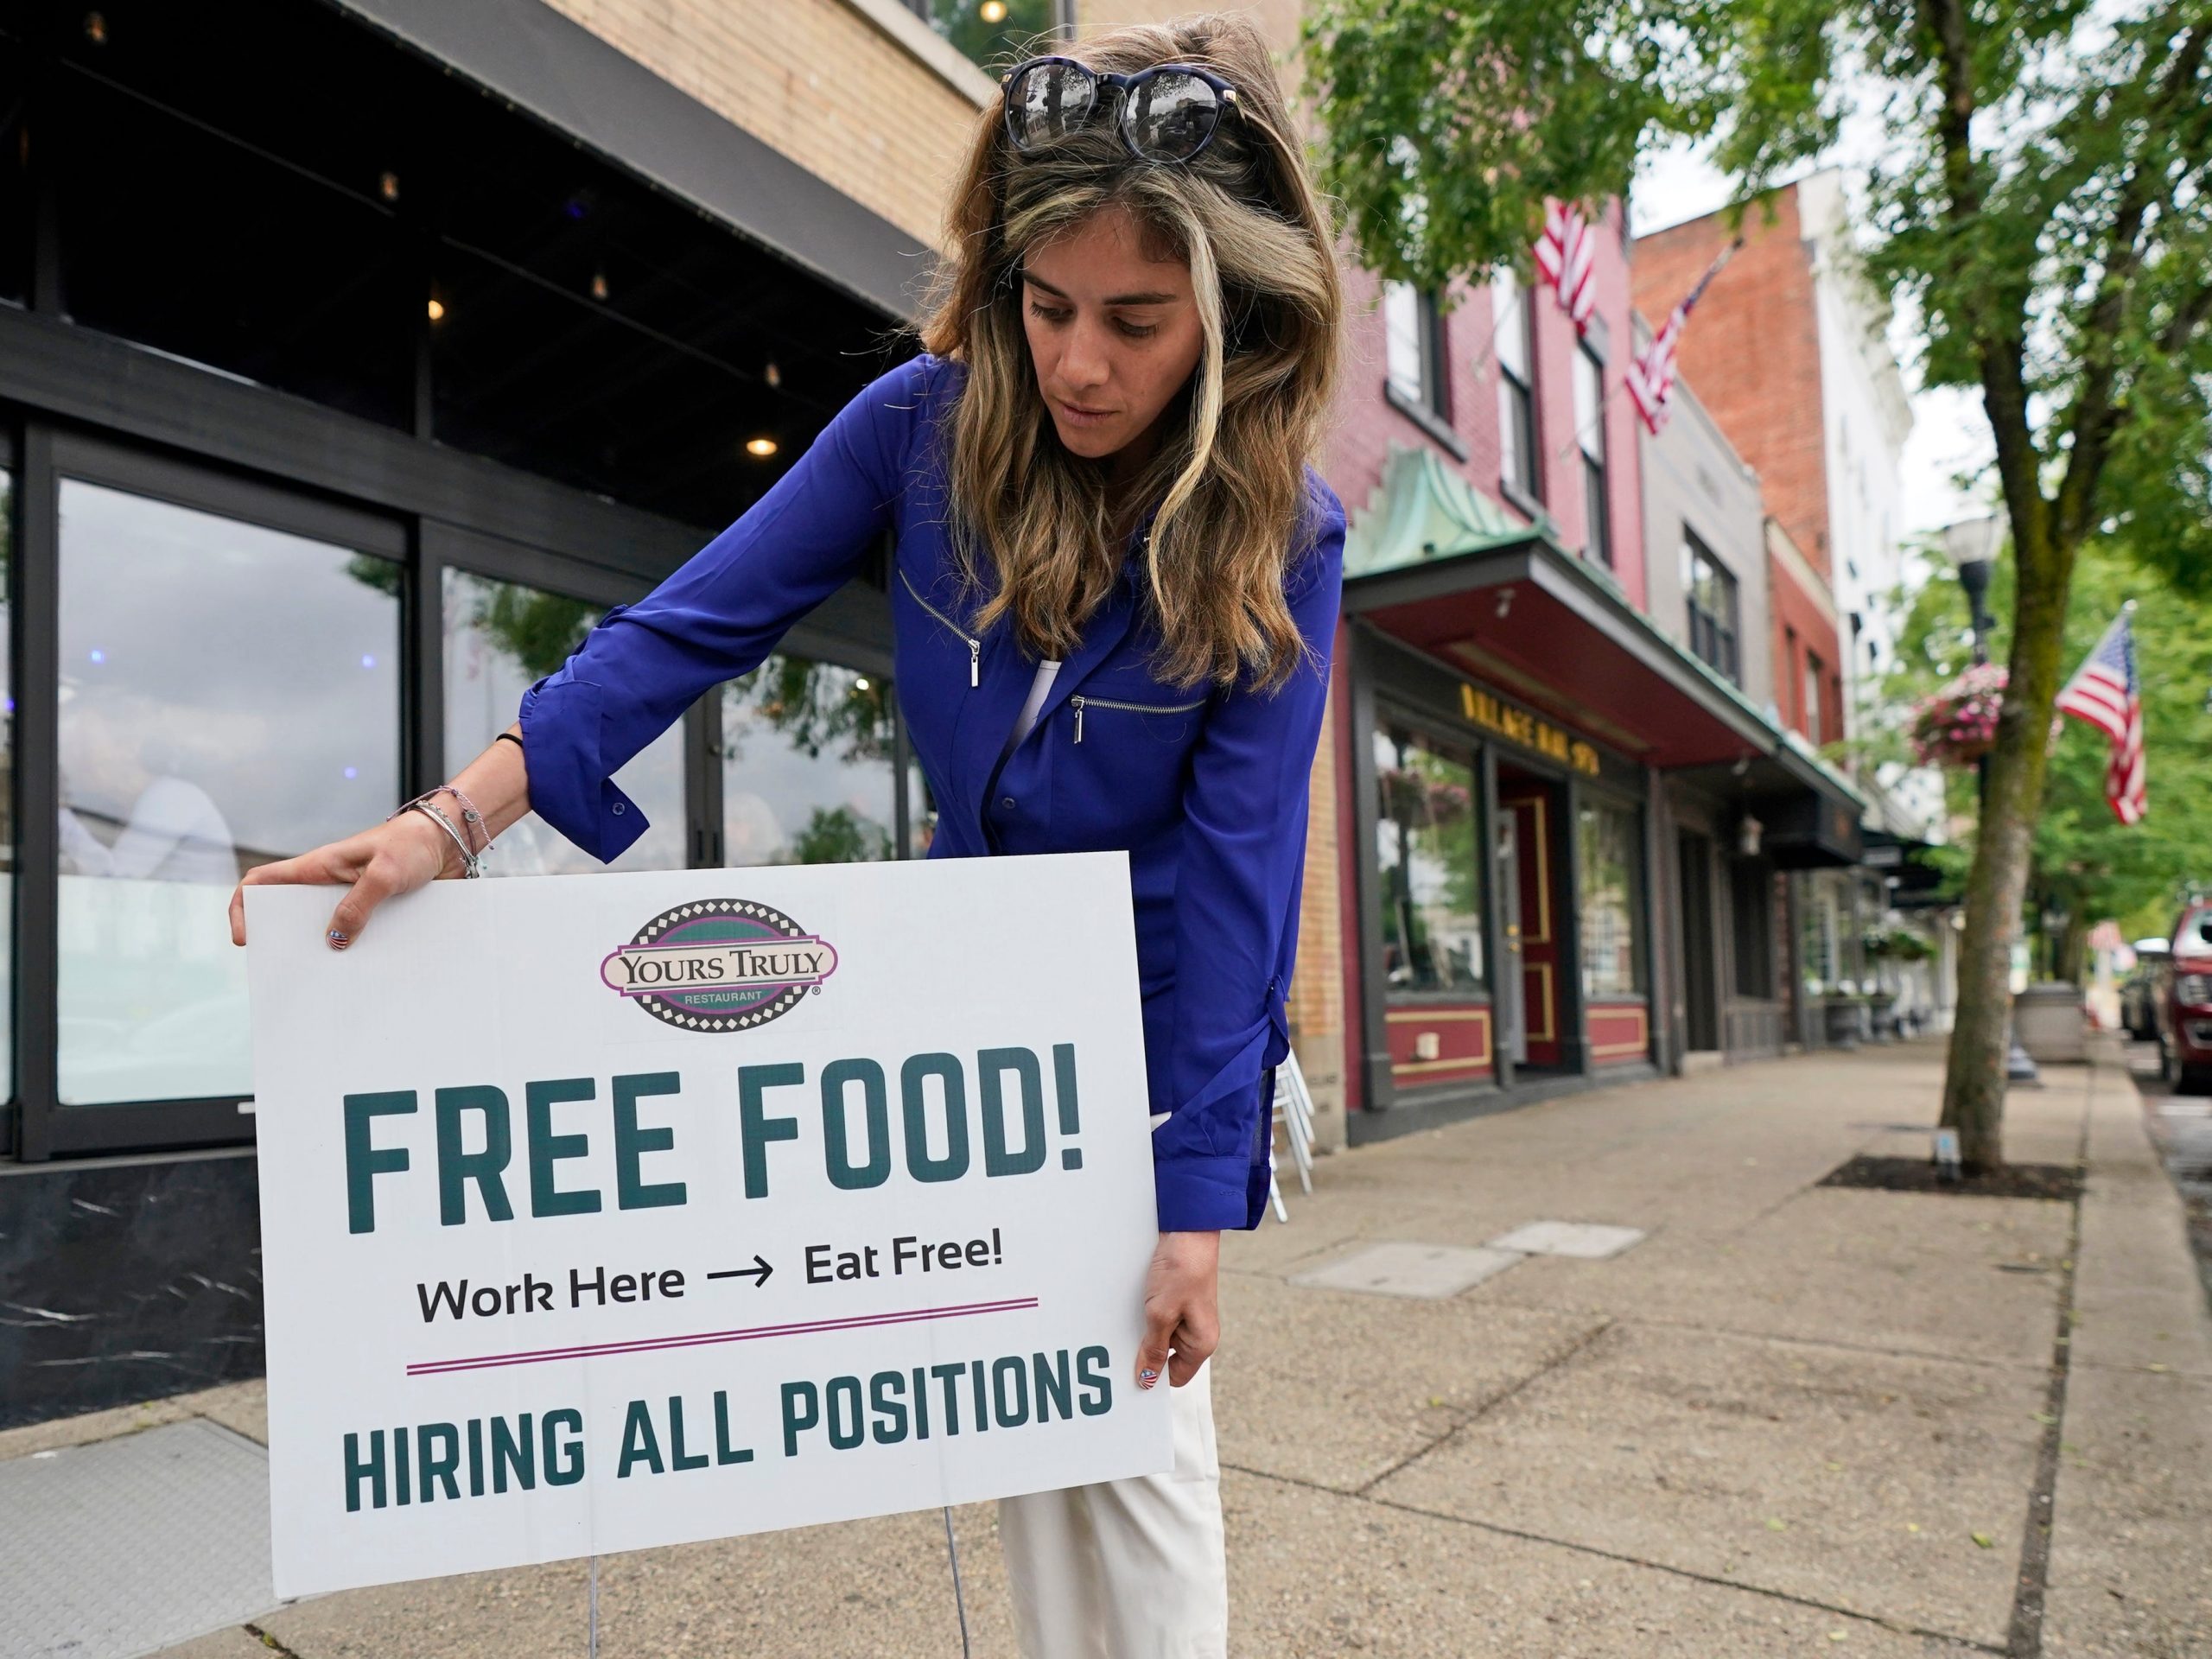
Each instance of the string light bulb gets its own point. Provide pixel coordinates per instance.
(599, 284)
(437, 309)
(95, 28)
(762, 446)
(388, 185)
(773, 375)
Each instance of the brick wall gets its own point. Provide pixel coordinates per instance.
(822, 81)
(1802, 624)
(1752, 350)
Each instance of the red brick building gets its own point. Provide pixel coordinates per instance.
(1755, 359)
(1512, 734)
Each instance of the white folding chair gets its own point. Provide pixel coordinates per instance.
(1294, 1110)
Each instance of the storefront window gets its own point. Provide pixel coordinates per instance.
(807, 772)
(1610, 868)
(1830, 951)
(229, 695)
(991, 32)
(501, 638)
(1750, 905)
(7, 800)
(1425, 855)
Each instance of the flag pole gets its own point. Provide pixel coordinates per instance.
(1574, 439)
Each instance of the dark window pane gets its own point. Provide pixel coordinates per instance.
(7, 796)
(536, 378)
(991, 32)
(186, 241)
(1425, 861)
(500, 638)
(229, 694)
(1751, 896)
(807, 774)
(14, 193)
(308, 84)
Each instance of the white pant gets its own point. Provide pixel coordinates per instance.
(1127, 1569)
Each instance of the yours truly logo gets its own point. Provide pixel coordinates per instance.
(719, 965)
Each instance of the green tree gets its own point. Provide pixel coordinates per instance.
(2084, 865)
(837, 835)
(2042, 199)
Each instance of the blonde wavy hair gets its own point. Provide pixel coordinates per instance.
(1228, 471)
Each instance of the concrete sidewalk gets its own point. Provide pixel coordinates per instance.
(1791, 1418)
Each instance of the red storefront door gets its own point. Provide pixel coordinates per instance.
(1535, 809)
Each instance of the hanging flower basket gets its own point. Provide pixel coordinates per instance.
(1958, 725)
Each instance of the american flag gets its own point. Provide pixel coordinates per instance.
(1650, 378)
(1567, 257)
(2105, 692)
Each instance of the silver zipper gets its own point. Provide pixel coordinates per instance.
(1077, 703)
(974, 645)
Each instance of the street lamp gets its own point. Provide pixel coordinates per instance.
(1971, 545)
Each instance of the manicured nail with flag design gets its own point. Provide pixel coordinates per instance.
(338, 941)
(1146, 1378)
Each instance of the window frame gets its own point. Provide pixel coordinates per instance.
(1714, 640)
(1516, 392)
(47, 1127)
(1597, 460)
(1429, 405)
(1637, 889)
(1388, 712)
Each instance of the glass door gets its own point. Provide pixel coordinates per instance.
(499, 638)
(225, 691)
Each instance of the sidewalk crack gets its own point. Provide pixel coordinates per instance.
(2024, 1639)
(1689, 1573)
(1489, 1405)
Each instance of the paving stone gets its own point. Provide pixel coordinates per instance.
(1587, 1240)
(1311, 1573)
(113, 1549)
(1848, 1478)
(2129, 1571)
(1338, 1388)
(1397, 1269)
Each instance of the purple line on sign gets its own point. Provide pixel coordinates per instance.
(754, 1333)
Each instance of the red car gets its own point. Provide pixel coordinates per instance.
(2185, 1006)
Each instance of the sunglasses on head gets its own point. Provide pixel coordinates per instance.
(1168, 112)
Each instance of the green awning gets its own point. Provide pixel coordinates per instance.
(1423, 512)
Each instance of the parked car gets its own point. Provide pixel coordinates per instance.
(2140, 990)
(2185, 1009)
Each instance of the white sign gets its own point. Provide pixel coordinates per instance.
(606, 1211)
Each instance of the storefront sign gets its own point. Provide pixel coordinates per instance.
(606, 1211)
(1517, 726)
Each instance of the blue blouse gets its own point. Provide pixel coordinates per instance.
(1204, 788)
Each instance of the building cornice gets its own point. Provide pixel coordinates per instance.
(1783, 550)
(937, 54)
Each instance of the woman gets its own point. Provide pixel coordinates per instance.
(1113, 589)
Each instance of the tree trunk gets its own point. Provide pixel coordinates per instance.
(1973, 1078)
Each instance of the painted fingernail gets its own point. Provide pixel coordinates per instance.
(338, 941)
(1145, 1379)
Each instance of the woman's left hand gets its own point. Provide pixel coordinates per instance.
(1182, 1308)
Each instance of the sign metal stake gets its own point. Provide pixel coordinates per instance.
(959, 1599)
(593, 1632)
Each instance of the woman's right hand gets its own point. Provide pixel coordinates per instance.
(395, 856)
